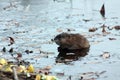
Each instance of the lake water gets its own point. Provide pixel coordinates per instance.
(33, 23)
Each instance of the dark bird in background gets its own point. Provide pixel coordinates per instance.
(102, 11)
(12, 41)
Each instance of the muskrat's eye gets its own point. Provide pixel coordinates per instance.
(59, 36)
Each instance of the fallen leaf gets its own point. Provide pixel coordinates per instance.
(3, 61)
(102, 11)
(117, 27)
(30, 68)
(112, 38)
(92, 29)
(105, 55)
(38, 77)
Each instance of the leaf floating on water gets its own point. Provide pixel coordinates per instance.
(30, 68)
(92, 29)
(112, 38)
(105, 55)
(48, 67)
(86, 20)
(91, 75)
(51, 77)
(102, 11)
(11, 50)
(12, 41)
(38, 77)
(4, 49)
(103, 28)
(117, 27)
(60, 73)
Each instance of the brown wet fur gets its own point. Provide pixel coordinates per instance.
(71, 41)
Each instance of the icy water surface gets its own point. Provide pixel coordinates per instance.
(33, 23)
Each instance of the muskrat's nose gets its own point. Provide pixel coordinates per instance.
(52, 40)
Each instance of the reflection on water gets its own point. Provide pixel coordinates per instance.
(66, 55)
(34, 4)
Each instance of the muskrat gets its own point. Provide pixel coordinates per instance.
(71, 41)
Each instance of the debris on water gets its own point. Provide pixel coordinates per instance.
(11, 50)
(32, 33)
(48, 67)
(28, 51)
(105, 55)
(69, 77)
(102, 11)
(103, 28)
(86, 20)
(110, 28)
(60, 73)
(117, 27)
(91, 75)
(45, 70)
(92, 62)
(12, 41)
(92, 29)
(31, 51)
(45, 52)
(68, 29)
(19, 55)
(17, 32)
(4, 49)
(11, 5)
(112, 38)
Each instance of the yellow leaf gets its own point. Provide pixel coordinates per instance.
(1, 66)
(8, 69)
(51, 78)
(30, 68)
(21, 68)
(38, 77)
(3, 61)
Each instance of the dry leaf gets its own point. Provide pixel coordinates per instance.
(102, 11)
(105, 55)
(117, 27)
(112, 38)
(30, 68)
(38, 77)
(92, 29)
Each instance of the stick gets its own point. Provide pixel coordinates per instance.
(15, 73)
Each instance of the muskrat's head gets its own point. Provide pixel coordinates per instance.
(61, 38)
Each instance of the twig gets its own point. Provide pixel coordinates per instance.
(15, 73)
